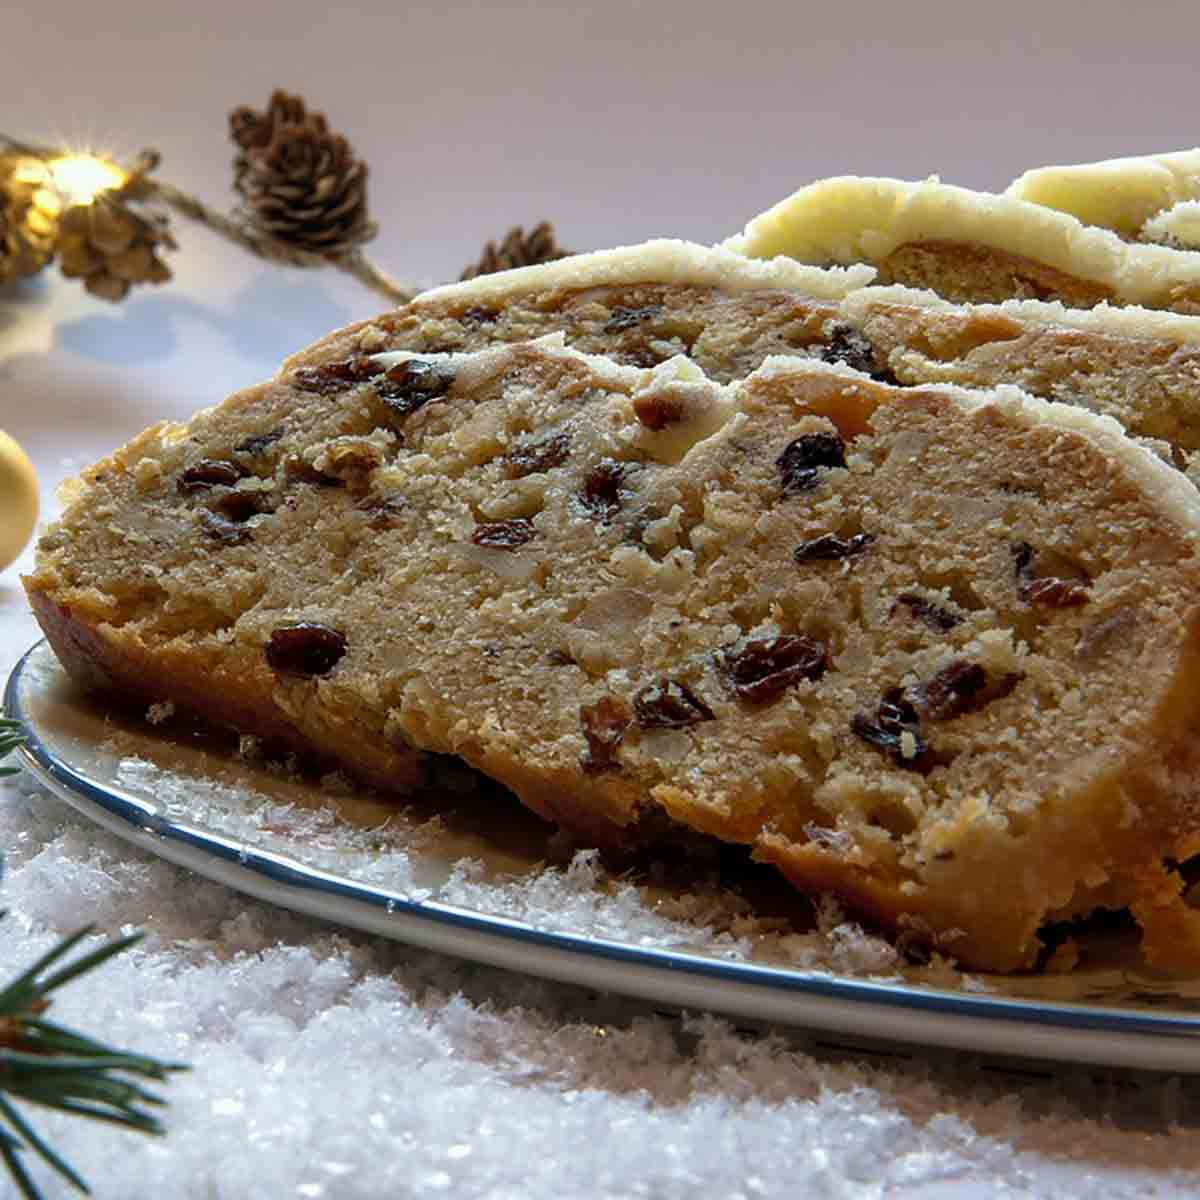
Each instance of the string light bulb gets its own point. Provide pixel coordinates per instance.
(80, 178)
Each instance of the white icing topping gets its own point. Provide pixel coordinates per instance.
(1178, 226)
(662, 261)
(851, 219)
(1119, 193)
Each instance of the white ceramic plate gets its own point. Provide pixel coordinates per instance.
(438, 883)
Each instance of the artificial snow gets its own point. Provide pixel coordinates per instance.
(328, 1064)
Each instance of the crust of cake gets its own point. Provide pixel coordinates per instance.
(918, 230)
(132, 674)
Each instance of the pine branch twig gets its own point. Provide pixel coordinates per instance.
(44, 1064)
(12, 735)
(354, 263)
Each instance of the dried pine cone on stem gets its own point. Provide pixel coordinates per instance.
(518, 249)
(300, 183)
(112, 247)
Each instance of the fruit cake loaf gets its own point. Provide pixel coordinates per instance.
(935, 651)
(969, 246)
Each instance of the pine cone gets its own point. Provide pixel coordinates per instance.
(518, 250)
(111, 247)
(301, 184)
(27, 230)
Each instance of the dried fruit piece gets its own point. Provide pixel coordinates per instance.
(223, 529)
(535, 457)
(336, 376)
(950, 693)
(846, 345)
(384, 511)
(1050, 591)
(1022, 556)
(830, 546)
(300, 470)
(601, 494)
(210, 472)
(604, 724)
(937, 618)
(1053, 593)
(658, 410)
(306, 648)
(802, 461)
(762, 669)
(641, 356)
(669, 704)
(412, 384)
(504, 535)
(478, 315)
(627, 318)
(255, 445)
(896, 730)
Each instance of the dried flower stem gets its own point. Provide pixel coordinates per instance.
(143, 187)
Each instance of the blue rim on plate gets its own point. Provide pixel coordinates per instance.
(798, 999)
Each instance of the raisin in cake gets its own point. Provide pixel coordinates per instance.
(931, 650)
(969, 246)
(1121, 194)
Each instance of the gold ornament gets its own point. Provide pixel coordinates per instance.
(18, 500)
(518, 249)
(28, 216)
(301, 185)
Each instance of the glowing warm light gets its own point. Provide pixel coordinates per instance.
(31, 170)
(79, 177)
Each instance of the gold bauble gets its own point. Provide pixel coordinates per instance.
(18, 500)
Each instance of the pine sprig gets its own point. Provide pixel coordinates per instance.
(45, 1064)
(12, 735)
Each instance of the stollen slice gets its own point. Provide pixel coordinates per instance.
(934, 651)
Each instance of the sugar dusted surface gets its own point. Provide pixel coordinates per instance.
(1118, 193)
(662, 261)
(330, 1064)
(1177, 226)
(850, 219)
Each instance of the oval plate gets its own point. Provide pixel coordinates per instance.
(279, 842)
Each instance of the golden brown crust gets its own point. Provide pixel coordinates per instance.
(103, 662)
